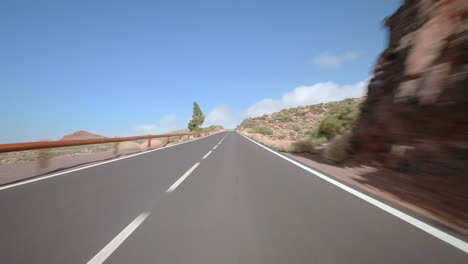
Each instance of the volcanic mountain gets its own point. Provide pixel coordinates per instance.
(78, 135)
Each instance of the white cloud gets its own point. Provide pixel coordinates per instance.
(307, 95)
(170, 118)
(166, 124)
(151, 129)
(221, 115)
(327, 60)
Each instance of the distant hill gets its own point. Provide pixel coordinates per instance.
(294, 123)
(79, 135)
(321, 128)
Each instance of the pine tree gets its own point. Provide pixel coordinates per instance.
(197, 118)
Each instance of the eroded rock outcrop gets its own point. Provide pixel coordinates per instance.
(415, 117)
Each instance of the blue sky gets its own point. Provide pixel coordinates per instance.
(121, 68)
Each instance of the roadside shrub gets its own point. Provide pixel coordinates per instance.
(330, 127)
(339, 121)
(338, 149)
(317, 111)
(318, 141)
(296, 128)
(302, 146)
(247, 123)
(281, 135)
(294, 111)
(262, 130)
(313, 137)
(280, 146)
(283, 117)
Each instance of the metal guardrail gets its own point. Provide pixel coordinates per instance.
(68, 143)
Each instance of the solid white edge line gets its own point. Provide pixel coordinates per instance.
(93, 165)
(215, 147)
(102, 255)
(182, 178)
(458, 243)
(207, 154)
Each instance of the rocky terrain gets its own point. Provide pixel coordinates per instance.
(415, 118)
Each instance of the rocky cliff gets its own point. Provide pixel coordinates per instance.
(415, 118)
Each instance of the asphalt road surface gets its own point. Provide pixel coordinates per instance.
(195, 203)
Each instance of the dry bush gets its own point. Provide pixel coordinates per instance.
(341, 119)
(338, 149)
(261, 130)
(282, 145)
(296, 128)
(303, 146)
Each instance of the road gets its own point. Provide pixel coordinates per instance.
(239, 203)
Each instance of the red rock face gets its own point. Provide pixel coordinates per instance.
(415, 117)
(80, 135)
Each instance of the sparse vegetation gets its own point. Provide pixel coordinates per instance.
(317, 111)
(283, 117)
(296, 128)
(303, 146)
(316, 124)
(338, 149)
(340, 120)
(262, 130)
(247, 123)
(313, 137)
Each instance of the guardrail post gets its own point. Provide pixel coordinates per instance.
(168, 141)
(149, 143)
(43, 158)
(116, 147)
